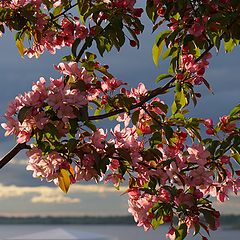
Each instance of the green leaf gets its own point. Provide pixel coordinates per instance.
(235, 111)
(57, 10)
(168, 132)
(157, 222)
(156, 52)
(83, 114)
(103, 164)
(98, 111)
(166, 54)
(155, 139)
(209, 217)
(180, 102)
(181, 232)
(75, 46)
(68, 58)
(163, 76)
(90, 125)
(217, 42)
(135, 117)
(90, 56)
(83, 8)
(151, 10)
(101, 42)
(73, 126)
(104, 71)
(229, 46)
(71, 144)
(174, 108)
(196, 229)
(182, 99)
(162, 106)
(236, 156)
(2, 30)
(169, 52)
(23, 113)
(157, 47)
(20, 46)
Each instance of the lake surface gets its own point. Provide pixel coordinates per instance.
(114, 232)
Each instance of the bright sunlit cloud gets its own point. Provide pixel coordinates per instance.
(54, 195)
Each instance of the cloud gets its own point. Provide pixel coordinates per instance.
(96, 188)
(43, 194)
(45, 198)
(37, 194)
(18, 162)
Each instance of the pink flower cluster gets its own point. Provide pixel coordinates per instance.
(198, 27)
(61, 33)
(84, 170)
(54, 104)
(44, 166)
(190, 171)
(196, 69)
(56, 39)
(224, 124)
(140, 205)
(58, 97)
(177, 176)
(15, 4)
(126, 4)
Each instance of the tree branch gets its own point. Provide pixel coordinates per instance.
(151, 94)
(65, 11)
(12, 153)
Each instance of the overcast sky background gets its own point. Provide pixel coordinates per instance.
(20, 194)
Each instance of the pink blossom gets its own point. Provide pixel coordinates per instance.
(88, 160)
(197, 28)
(225, 124)
(200, 176)
(85, 173)
(225, 159)
(99, 138)
(124, 117)
(11, 127)
(139, 91)
(114, 164)
(110, 84)
(44, 166)
(144, 124)
(171, 234)
(198, 154)
(81, 31)
(115, 178)
(164, 195)
(139, 206)
(191, 221)
(184, 198)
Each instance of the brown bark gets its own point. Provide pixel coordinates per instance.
(12, 153)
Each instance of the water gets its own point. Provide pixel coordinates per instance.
(114, 232)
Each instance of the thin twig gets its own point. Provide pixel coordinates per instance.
(151, 94)
(65, 11)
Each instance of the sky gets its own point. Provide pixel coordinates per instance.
(22, 195)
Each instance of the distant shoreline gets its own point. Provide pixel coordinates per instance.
(122, 220)
(229, 221)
